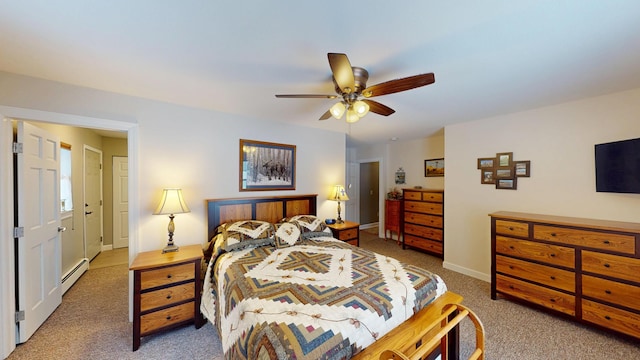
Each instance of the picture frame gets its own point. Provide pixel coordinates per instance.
(484, 163)
(522, 168)
(434, 167)
(503, 172)
(507, 183)
(266, 166)
(504, 159)
(487, 176)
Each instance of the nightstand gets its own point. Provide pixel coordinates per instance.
(348, 231)
(167, 289)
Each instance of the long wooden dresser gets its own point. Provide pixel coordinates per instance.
(423, 220)
(588, 270)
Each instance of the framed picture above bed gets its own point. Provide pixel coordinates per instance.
(267, 166)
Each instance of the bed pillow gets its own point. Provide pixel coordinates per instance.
(309, 223)
(286, 234)
(247, 233)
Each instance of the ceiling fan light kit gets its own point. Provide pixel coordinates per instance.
(351, 84)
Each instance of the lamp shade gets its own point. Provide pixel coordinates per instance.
(338, 109)
(339, 194)
(172, 202)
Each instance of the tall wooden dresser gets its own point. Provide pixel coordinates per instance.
(423, 220)
(588, 270)
(392, 218)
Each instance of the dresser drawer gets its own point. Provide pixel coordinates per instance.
(159, 319)
(609, 317)
(166, 296)
(512, 228)
(550, 254)
(433, 197)
(546, 275)
(611, 291)
(423, 207)
(611, 265)
(412, 195)
(536, 294)
(165, 276)
(625, 244)
(423, 219)
(428, 245)
(423, 231)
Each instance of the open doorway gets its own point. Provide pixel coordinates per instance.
(369, 191)
(7, 265)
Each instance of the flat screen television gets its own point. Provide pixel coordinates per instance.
(618, 166)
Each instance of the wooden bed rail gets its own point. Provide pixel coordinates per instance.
(413, 352)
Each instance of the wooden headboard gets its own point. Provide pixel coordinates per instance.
(271, 209)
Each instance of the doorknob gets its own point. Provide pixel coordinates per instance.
(88, 212)
(62, 229)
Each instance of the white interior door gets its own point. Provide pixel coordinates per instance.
(120, 202)
(39, 264)
(92, 201)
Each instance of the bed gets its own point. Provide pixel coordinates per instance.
(279, 286)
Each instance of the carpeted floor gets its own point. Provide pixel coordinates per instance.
(92, 323)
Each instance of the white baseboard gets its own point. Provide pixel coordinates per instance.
(71, 276)
(465, 271)
(106, 247)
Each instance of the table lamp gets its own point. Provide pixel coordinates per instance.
(339, 194)
(171, 203)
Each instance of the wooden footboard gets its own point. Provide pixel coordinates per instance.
(433, 330)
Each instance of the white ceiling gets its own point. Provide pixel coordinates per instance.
(489, 57)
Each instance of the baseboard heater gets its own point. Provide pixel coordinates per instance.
(71, 276)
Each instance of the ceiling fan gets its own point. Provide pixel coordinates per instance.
(351, 86)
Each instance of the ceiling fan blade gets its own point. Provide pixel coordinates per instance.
(378, 108)
(394, 86)
(342, 72)
(326, 115)
(306, 96)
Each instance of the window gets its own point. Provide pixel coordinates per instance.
(66, 195)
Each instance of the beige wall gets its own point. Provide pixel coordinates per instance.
(559, 141)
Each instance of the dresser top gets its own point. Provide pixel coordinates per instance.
(570, 221)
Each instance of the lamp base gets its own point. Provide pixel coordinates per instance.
(170, 248)
(339, 221)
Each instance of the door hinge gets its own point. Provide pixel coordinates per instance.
(17, 148)
(19, 316)
(18, 232)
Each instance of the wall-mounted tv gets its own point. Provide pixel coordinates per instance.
(618, 166)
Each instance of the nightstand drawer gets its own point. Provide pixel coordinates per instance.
(165, 276)
(166, 317)
(348, 234)
(167, 296)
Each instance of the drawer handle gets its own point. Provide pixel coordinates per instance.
(552, 255)
(511, 287)
(606, 242)
(168, 317)
(552, 300)
(607, 317)
(511, 247)
(169, 276)
(608, 292)
(169, 296)
(553, 277)
(511, 267)
(553, 234)
(607, 265)
(511, 228)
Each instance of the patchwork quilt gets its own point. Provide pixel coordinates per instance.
(318, 299)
